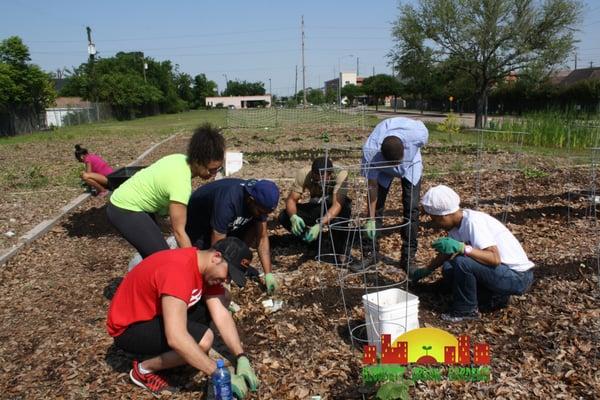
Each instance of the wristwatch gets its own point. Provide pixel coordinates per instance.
(468, 249)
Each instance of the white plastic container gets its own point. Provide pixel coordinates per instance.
(233, 162)
(391, 311)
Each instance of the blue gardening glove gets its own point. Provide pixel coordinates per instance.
(245, 370)
(312, 233)
(298, 225)
(419, 273)
(369, 227)
(238, 386)
(271, 283)
(447, 245)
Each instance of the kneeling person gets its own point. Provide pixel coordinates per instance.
(304, 219)
(480, 258)
(163, 307)
(234, 207)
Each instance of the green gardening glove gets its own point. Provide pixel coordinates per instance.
(298, 225)
(245, 370)
(238, 386)
(419, 273)
(369, 227)
(271, 283)
(312, 233)
(447, 245)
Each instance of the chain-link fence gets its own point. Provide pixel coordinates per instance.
(282, 117)
(77, 115)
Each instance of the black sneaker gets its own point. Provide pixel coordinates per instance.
(455, 316)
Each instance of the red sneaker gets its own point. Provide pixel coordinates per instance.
(151, 381)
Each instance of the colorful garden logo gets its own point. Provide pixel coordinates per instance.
(429, 352)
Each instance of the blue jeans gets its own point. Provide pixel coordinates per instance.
(476, 284)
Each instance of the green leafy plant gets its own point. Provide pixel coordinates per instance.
(325, 137)
(533, 173)
(450, 125)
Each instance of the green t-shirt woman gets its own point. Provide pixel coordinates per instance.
(164, 188)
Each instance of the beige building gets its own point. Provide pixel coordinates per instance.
(239, 101)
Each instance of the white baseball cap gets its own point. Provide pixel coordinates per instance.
(440, 200)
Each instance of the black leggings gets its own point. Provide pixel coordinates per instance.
(148, 337)
(138, 228)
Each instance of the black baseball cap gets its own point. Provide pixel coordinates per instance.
(238, 257)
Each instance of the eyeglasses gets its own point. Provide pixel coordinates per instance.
(214, 171)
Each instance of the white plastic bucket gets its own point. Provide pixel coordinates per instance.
(390, 311)
(234, 161)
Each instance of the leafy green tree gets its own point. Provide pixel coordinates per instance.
(243, 88)
(184, 83)
(351, 92)
(489, 38)
(380, 86)
(25, 90)
(202, 89)
(160, 86)
(330, 96)
(315, 96)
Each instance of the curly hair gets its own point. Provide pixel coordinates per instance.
(206, 145)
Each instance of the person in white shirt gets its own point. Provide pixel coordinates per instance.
(480, 257)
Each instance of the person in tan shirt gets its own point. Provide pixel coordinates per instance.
(304, 219)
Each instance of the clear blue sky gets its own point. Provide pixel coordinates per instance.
(246, 40)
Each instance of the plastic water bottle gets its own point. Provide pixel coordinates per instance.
(222, 382)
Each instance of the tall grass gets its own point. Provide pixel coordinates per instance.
(550, 129)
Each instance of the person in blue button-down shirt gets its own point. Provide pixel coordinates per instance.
(394, 150)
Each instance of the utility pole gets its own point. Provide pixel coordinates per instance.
(357, 58)
(144, 66)
(296, 84)
(270, 92)
(92, 56)
(575, 60)
(373, 71)
(591, 64)
(91, 46)
(303, 67)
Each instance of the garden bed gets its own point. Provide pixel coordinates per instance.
(54, 294)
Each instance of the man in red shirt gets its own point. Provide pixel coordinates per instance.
(163, 307)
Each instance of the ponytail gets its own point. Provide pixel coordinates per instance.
(80, 152)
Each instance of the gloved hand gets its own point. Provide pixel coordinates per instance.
(298, 224)
(238, 386)
(271, 283)
(245, 370)
(369, 227)
(312, 233)
(419, 273)
(447, 245)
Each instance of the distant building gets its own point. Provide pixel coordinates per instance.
(240, 101)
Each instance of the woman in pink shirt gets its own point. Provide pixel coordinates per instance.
(96, 170)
